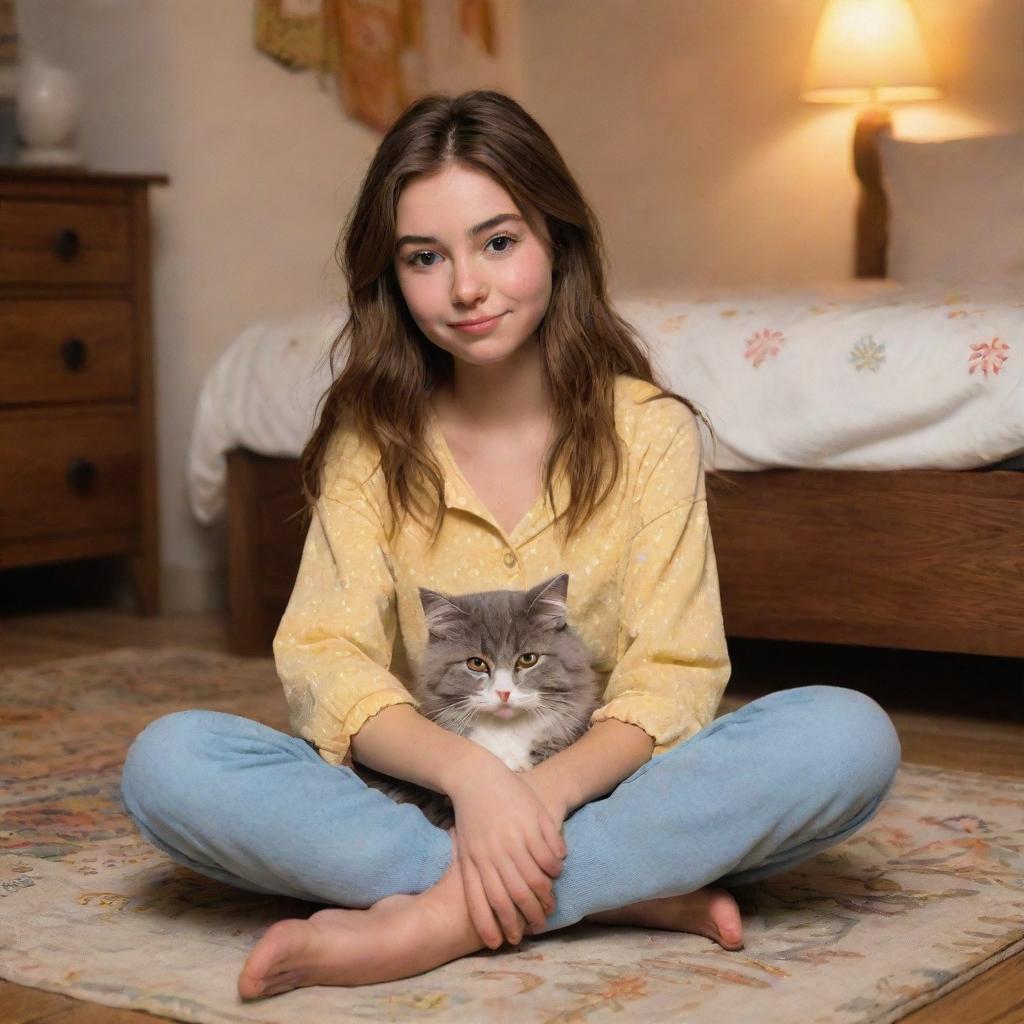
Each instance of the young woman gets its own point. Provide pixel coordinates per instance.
(495, 424)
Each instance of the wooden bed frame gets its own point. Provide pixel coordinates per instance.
(923, 559)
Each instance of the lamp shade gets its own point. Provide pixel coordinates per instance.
(867, 50)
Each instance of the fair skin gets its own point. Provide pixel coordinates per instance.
(497, 419)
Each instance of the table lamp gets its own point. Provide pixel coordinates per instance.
(869, 52)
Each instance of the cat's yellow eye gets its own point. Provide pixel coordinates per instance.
(528, 660)
(480, 666)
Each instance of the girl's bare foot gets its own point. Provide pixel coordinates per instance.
(401, 936)
(398, 937)
(709, 911)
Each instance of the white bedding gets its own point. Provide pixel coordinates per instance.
(261, 394)
(862, 375)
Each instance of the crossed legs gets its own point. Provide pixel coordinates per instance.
(753, 793)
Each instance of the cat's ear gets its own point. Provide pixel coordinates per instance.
(545, 602)
(444, 618)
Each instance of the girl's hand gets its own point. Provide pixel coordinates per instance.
(508, 846)
(550, 794)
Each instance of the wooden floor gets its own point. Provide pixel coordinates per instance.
(955, 711)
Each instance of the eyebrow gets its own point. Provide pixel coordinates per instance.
(483, 226)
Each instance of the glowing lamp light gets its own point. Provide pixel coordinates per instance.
(868, 51)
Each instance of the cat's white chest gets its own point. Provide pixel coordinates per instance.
(510, 742)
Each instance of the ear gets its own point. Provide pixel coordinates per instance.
(545, 602)
(444, 617)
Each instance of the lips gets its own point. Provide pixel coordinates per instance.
(480, 320)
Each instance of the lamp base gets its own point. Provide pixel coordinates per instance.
(872, 234)
(871, 123)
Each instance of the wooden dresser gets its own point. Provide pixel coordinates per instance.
(78, 475)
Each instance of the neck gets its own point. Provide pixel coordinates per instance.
(504, 395)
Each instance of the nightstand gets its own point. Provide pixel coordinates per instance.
(78, 474)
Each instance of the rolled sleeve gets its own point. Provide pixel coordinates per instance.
(333, 646)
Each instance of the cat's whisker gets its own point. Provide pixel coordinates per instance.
(549, 711)
(458, 715)
(465, 713)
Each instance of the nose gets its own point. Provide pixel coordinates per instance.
(468, 285)
(503, 695)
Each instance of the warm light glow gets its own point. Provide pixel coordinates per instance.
(868, 50)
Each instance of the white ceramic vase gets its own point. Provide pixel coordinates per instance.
(47, 114)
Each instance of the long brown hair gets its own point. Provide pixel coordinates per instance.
(391, 368)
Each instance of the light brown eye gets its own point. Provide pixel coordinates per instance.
(528, 660)
(477, 664)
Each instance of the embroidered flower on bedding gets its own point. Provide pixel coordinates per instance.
(989, 355)
(763, 344)
(867, 354)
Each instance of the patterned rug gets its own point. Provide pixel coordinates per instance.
(927, 895)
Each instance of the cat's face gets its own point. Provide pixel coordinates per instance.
(503, 654)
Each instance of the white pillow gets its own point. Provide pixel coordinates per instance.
(956, 209)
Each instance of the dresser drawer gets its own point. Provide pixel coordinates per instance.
(64, 242)
(65, 350)
(64, 471)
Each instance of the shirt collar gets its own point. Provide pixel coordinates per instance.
(459, 494)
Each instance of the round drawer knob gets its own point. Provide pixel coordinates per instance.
(74, 352)
(81, 475)
(66, 243)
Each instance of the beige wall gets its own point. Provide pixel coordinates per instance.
(682, 122)
(680, 119)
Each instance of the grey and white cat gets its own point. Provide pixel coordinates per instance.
(505, 669)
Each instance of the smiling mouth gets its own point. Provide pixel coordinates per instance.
(478, 325)
(472, 323)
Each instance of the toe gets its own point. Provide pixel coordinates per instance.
(282, 983)
(249, 988)
(268, 960)
(726, 919)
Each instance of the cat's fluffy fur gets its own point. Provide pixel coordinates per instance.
(475, 646)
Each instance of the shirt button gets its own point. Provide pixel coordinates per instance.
(510, 559)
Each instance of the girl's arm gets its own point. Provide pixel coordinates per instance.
(333, 646)
(593, 766)
(672, 662)
(399, 741)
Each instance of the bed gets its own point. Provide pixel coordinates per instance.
(873, 516)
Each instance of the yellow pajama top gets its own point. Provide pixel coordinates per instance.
(643, 585)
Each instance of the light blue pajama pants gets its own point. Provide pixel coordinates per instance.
(755, 792)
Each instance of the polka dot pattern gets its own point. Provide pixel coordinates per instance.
(643, 585)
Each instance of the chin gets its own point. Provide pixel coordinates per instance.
(479, 351)
(484, 358)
